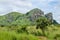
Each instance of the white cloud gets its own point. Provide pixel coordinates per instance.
(14, 5)
(22, 3)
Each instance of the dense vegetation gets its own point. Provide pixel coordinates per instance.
(34, 25)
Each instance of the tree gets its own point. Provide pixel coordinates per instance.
(42, 23)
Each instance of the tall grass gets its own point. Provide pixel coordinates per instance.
(4, 35)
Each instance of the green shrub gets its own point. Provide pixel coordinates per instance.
(42, 23)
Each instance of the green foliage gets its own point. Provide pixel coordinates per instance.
(52, 32)
(14, 19)
(5, 35)
(22, 30)
(42, 22)
(27, 37)
(9, 18)
(34, 31)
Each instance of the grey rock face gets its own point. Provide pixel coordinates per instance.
(49, 16)
(35, 13)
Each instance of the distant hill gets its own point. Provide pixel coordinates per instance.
(16, 18)
(13, 18)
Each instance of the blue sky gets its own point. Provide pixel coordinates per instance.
(24, 6)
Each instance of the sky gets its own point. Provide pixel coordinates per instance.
(24, 6)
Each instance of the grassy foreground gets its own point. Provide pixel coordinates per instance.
(30, 33)
(4, 35)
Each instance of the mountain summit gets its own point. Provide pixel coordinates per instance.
(34, 14)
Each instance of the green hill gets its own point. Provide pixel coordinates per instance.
(13, 18)
(29, 18)
(18, 26)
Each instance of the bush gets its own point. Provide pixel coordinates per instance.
(42, 23)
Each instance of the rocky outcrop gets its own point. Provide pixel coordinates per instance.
(34, 14)
(49, 16)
